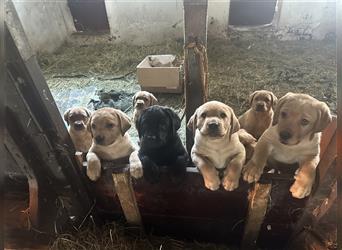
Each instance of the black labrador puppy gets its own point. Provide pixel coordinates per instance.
(160, 145)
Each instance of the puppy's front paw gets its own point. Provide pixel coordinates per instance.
(94, 170)
(150, 169)
(302, 186)
(252, 172)
(178, 170)
(212, 183)
(135, 166)
(136, 169)
(230, 182)
(300, 191)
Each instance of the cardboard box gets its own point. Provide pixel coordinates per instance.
(165, 79)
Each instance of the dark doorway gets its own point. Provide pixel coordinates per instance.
(89, 15)
(251, 12)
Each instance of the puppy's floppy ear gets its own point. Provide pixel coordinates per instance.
(89, 126)
(192, 123)
(174, 118)
(280, 103)
(323, 118)
(153, 99)
(274, 100)
(125, 121)
(133, 98)
(66, 116)
(138, 123)
(251, 97)
(234, 123)
(88, 112)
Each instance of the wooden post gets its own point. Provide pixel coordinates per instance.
(124, 189)
(35, 112)
(195, 63)
(258, 201)
(339, 129)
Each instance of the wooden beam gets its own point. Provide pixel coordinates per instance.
(124, 189)
(33, 209)
(258, 201)
(339, 122)
(195, 63)
(39, 116)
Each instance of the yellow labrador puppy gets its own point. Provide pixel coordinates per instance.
(294, 138)
(77, 119)
(259, 117)
(142, 100)
(216, 145)
(108, 127)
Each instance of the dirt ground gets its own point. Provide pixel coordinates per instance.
(245, 62)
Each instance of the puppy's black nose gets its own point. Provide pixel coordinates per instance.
(140, 104)
(213, 126)
(78, 125)
(285, 135)
(259, 107)
(99, 139)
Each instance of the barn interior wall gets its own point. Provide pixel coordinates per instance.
(146, 22)
(47, 24)
(307, 19)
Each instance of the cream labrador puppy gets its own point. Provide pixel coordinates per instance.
(77, 119)
(294, 137)
(141, 101)
(216, 146)
(259, 117)
(108, 127)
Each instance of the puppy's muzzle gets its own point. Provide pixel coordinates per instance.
(260, 107)
(78, 125)
(139, 104)
(285, 136)
(99, 139)
(151, 137)
(213, 128)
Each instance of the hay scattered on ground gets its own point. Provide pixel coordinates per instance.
(119, 237)
(245, 62)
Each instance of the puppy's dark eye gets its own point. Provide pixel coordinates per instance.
(304, 122)
(283, 114)
(267, 100)
(93, 126)
(110, 125)
(223, 115)
(203, 115)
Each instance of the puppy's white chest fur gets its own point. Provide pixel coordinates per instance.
(290, 154)
(122, 147)
(219, 151)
